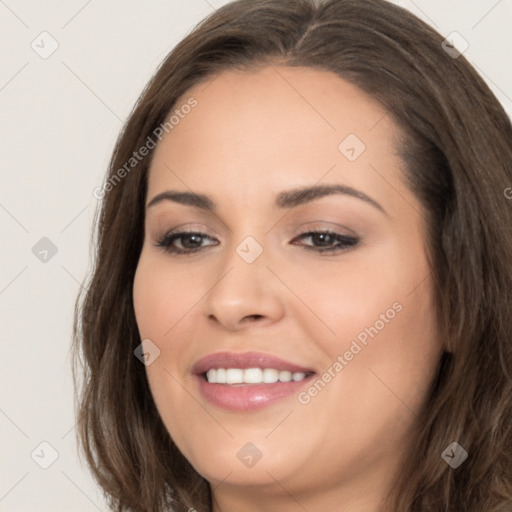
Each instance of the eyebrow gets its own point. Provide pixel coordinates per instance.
(288, 199)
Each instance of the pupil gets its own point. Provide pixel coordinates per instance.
(323, 238)
(191, 238)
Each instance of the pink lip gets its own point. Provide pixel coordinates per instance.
(244, 360)
(243, 397)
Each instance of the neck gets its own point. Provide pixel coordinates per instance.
(362, 493)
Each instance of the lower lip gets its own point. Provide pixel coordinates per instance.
(248, 397)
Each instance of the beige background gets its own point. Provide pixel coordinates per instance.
(60, 118)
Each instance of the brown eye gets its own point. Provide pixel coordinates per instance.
(188, 242)
(328, 241)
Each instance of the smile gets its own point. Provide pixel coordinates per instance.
(248, 381)
(252, 376)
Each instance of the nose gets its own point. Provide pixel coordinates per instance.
(245, 294)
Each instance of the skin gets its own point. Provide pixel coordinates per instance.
(251, 136)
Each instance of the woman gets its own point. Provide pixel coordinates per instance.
(302, 291)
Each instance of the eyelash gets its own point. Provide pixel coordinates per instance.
(344, 242)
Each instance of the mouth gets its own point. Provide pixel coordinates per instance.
(248, 381)
(251, 376)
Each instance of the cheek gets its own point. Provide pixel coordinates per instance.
(161, 302)
(377, 314)
(378, 370)
(161, 297)
(341, 297)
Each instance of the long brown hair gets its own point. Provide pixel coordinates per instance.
(457, 154)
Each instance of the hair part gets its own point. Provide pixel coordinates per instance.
(456, 148)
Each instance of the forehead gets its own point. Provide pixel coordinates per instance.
(274, 127)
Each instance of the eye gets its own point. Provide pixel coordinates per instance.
(190, 242)
(328, 241)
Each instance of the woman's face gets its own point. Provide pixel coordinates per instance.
(353, 326)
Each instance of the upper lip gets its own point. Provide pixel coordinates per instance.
(244, 360)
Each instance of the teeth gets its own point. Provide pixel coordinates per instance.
(285, 376)
(270, 375)
(251, 376)
(234, 376)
